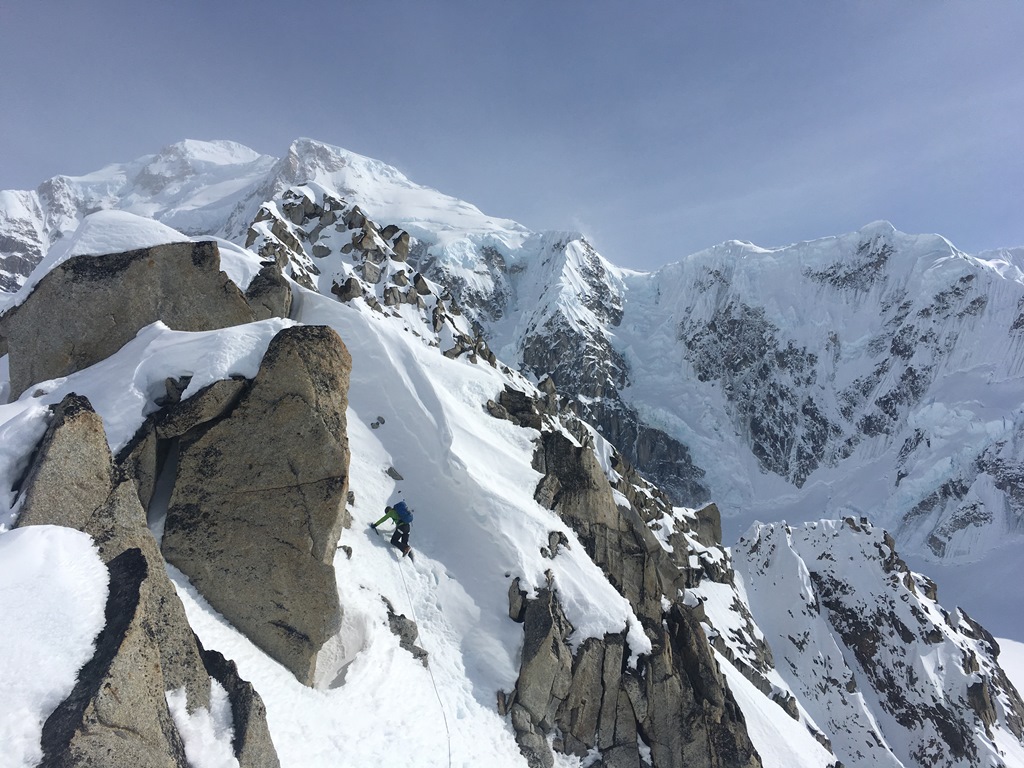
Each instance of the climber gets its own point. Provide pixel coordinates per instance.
(402, 516)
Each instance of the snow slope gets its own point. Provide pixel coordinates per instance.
(53, 589)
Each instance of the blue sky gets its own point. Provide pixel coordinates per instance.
(656, 128)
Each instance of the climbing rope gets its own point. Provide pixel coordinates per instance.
(430, 672)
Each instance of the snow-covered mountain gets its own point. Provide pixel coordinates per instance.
(874, 373)
(785, 383)
(896, 666)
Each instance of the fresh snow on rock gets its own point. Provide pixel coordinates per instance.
(780, 741)
(99, 233)
(206, 733)
(124, 388)
(1011, 659)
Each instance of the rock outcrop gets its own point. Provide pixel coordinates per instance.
(320, 240)
(70, 476)
(259, 500)
(117, 713)
(674, 699)
(179, 284)
(269, 294)
(252, 742)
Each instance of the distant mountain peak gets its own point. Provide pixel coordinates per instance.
(216, 151)
(880, 227)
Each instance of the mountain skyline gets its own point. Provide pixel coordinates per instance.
(771, 124)
(867, 373)
(198, 159)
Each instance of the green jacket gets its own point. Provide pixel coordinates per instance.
(389, 514)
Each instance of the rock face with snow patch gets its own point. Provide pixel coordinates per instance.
(675, 698)
(269, 294)
(326, 243)
(118, 713)
(259, 500)
(575, 486)
(893, 677)
(179, 284)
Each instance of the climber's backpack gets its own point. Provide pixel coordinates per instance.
(404, 513)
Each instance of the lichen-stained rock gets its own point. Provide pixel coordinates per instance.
(576, 487)
(140, 461)
(709, 526)
(350, 289)
(675, 699)
(208, 404)
(112, 515)
(116, 714)
(693, 718)
(179, 284)
(70, 474)
(546, 671)
(252, 743)
(259, 500)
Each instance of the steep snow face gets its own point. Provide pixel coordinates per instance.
(566, 305)
(890, 675)
(21, 237)
(851, 374)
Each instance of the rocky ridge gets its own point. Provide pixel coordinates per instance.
(567, 302)
(327, 244)
(897, 679)
(662, 559)
(598, 698)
